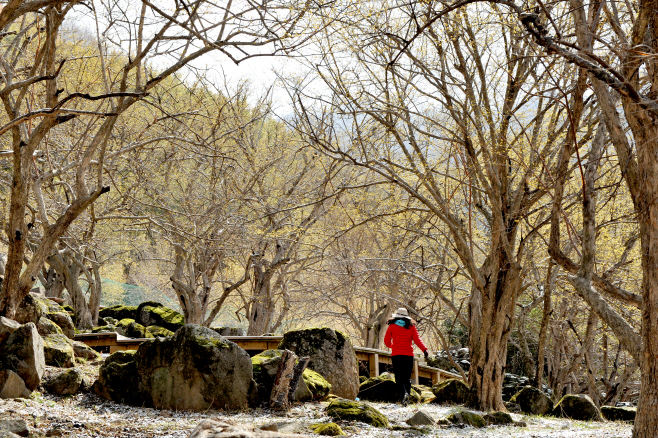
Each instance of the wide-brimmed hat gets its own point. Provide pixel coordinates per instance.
(401, 313)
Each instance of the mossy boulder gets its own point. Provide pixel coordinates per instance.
(318, 385)
(104, 329)
(327, 429)
(332, 355)
(23, 353)
(348, 410)
(66, 382)
(532, 401)
(498, 418)
(159, 332)
(425, 392)
(196, 370)
(152, 313)
(119, 312)
(577, 407)
(83, 351)
(451, 391)
(384, 389)
(265, 366)
(46, 327)
(12, 386)
(613, 413)
(118, 379)
(132, 329)
(32, 308)
(63, 320)
(467, 418)
(58, 352)
(7, 327)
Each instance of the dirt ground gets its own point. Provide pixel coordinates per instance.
(87, 415)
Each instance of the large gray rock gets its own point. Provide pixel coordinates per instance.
(66, 382)
(195, 370)
(612, 413)
(577, 407)
(347, 410)
(58, 352)
(451, 391)
(7, 327)
(14, 427)
(421, 418)
(12, 386)
(219, 429)
(332, 356)
(23, 353)
(46, 327)
(118, 379)
(63, 320)
(532, 401)
(32, 308)
(83, 351)
(152, 313)
(119, 312)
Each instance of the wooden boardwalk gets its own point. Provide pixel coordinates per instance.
(374, 361)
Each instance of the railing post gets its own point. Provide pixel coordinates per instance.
(414, 376)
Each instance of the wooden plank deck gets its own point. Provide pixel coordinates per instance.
(376, 360)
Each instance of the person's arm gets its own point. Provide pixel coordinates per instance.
(388, 337)
(417, 340)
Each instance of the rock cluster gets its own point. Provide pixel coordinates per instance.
(332, 356)
(148, 320)
(265, 365)
(196, 369)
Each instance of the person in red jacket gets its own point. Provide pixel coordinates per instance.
(399, 336)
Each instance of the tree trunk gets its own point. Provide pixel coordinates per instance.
(551, 277)
(646, 422)
(262, 305)
(376, 327)
(491, 318)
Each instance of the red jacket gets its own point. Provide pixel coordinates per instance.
(399, 339)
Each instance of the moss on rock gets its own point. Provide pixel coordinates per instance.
(58, 352)
(613, 413)
(157, 331)
(453, 391)
(64, 321)
(425, 393)
(103, 329)
(46, 327)
(468, 418)
(119, 312)
(498, 418)
(327, 429)
(152, 313)
(342, 409)
(118, 379)
(332, 356)
(318, 385)
(577, 407)
(532, 401)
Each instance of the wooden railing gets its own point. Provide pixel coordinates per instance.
(375, 359)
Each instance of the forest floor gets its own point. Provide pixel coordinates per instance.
(87, 415)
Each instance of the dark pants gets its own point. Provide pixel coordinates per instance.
(402, 367)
